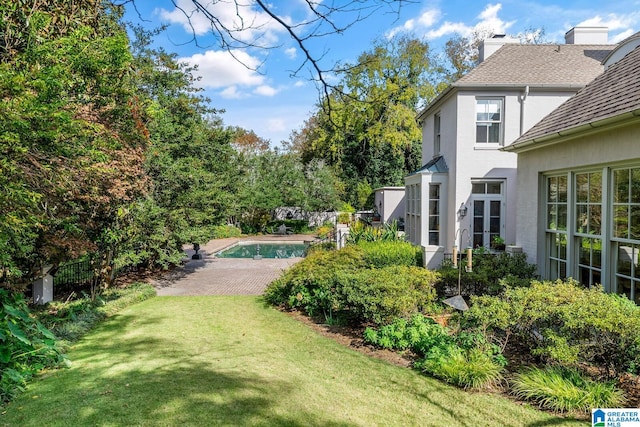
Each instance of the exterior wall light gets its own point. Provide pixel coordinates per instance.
(462, 212)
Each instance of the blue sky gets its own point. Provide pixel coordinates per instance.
(273, 102)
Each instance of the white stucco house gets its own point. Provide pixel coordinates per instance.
(466, 194)
(578, 189)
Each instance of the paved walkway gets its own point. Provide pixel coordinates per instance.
(226, 276)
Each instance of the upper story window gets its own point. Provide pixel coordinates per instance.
(436, 135)
(489, 117)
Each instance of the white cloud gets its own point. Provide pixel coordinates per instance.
(489, 20)
(623, 35)
(232, 93)
(299, 83)
(424, 21)
(612, 21)
(218, 69)
(230, 72)
(185, 15)
(291, 52)
(245, 21)
(277, 124)
(623, 24)
(265, 90)
(449, 28)
(425, 24)
(430, 17)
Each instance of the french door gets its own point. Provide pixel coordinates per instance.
(488, 213)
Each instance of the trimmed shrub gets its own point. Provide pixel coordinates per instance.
(565, 390)
(341, 283)
(224, 231)
(381, 294)
(387, 253)
(325, 230)
(491, 274)
(311, 284)
(563, 322)
(324, 247)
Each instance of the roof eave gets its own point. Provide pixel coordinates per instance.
(435, 101)
(573, 132)
(556, 86)
(470, 86)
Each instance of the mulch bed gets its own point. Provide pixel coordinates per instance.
(352, 336)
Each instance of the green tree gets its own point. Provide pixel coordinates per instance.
(273, 179)
(366, 129)
(71, 135)
(270, 180)
(190, 160)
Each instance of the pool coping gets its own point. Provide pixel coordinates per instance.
(214, 246)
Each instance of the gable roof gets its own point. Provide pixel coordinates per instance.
(558, 66)
(614, 95)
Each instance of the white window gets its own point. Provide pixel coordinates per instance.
(434, 214)
(412, 216)
(588, 226)
(489, 117)
(626, 232)
(556, 226)
(436, 135)
(488, 212)
(593, 228)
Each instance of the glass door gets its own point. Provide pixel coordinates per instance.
(487, 222)
(488, 216)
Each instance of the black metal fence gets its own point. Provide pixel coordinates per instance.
(76, 275)
(82, 274)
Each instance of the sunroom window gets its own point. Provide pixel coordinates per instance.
(588, 226)
(626, 231)
(556, 226)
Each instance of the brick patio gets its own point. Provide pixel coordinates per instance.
(226, 276)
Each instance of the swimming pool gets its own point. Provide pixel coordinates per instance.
(264, 249)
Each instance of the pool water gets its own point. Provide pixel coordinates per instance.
(267, 250)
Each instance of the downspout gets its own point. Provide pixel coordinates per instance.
(523, 98)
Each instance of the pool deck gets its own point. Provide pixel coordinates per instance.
(226, 276)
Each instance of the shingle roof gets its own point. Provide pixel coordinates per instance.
(548, 65)
(615, 92)
(562, 65)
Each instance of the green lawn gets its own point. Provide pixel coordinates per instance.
(206, 361)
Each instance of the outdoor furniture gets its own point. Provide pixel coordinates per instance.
(283, 230)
